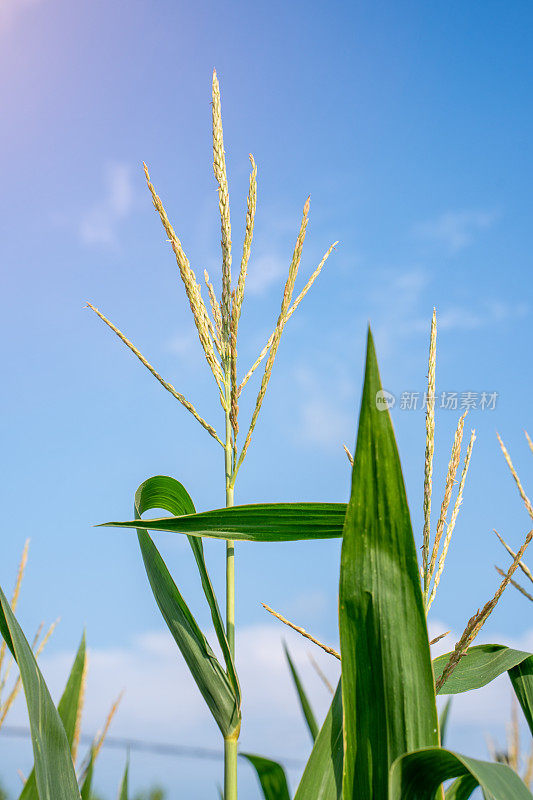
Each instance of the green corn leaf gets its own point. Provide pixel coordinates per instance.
(271, 776)
(387, 680)
(68, 709)
(480, 665)
(462, 788)
(170, 495)
(443, 721)
(418, 776)
(54, 771)
(322, 778)
(123, 791)
(87, 778)
(261, 522)
(522, 679)
(210, 678)
(304, 701)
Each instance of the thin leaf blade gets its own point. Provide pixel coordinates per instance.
(306, 707)
(522, 679)
(272, 778)
(123, 790)
(261, 522)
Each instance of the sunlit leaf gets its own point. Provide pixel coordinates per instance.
(387, 680)
(480, 665)
(54, 770)
(262, 522)
(68, 709)
(418, 776)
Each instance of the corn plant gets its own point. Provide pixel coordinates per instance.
(381, 737)
(55, 732)
(218, 335)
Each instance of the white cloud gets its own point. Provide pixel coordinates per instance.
(183, 344)
(263, 272)
(403, 317)
(323, 419)
(161, 699)
(10, 9)
(323, 423)
(463, 318)
(98, 225)
(455, 229)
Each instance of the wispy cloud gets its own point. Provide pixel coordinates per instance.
(465, 318)
(405, 316)
(263, 272)
(160, 695)
(183, 344)
(455, 229)
(324, 419)
(98, 225)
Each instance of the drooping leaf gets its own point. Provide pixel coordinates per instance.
(271, 776)
(262, 522)
(304, 701)
(170, 495)
(443, 721)
(68, 709)
(210, 678)
(480, 665)
(522, 679)
(123, 791)
(418, 776)
(54, 771)
(462, 788)
(322, 777)
(387, 679)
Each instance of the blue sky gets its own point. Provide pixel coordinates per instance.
(409, 124)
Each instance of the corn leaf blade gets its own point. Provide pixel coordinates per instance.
(444, 718)
(322, 777)
(210, 678)
(87, 778)
(461, 788)
(302, 696)
(68, 709)
(387, 680)
(167, 493)
(54, 771)
(123, 791)
(479, 666)
(260, 522)
(522, 679)
(272, 778)
(418, 776)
